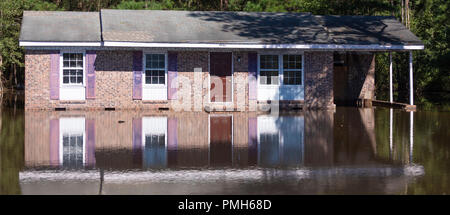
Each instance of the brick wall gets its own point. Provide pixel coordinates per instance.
(114, 80)
(319, 80)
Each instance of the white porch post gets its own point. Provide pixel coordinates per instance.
(391, 99)
(411, 99)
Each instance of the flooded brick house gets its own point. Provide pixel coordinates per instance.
(195, 61)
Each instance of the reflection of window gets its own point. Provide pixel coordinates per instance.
(268, 69)
(155, 69)
(280, 141)
(72, 145)
(292, 69)
(269, 149)
(72, 68)
(72, 150)
(154, 142)
(154, 139)
(269, 138)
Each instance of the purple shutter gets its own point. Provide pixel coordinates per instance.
(90, 74)
(137, 75)
(54, 142)
(54, 75)
(252, 140)
(172, 141)
(252, 75)
(90, 142)
(172, 75)
(137, 141)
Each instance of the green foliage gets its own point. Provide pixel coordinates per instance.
(148, 5)
(10, 20)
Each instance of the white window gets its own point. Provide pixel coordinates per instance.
(72, 68)
(292, 70)
(280, 77)
(72, 75)
(155, 69)
(269, 70)
(155, 77)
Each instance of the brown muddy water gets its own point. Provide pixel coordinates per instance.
(347, 151)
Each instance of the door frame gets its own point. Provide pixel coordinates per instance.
(232, 78)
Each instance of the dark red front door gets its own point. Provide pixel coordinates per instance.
(220, 66)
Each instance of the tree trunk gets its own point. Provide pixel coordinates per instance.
(15, 75)
(407, 7)
(1, 78)
(392, 6)
(402, 8)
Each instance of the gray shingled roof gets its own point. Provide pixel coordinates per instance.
(158, 26)
(60, 26)
(367, 30)
(197, 26)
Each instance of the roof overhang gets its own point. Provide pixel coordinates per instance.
(58, 44)
(225, 45)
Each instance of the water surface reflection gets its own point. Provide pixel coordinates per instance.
(192, 153)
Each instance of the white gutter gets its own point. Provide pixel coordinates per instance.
(226, 45)
(29, 44)
(264, 46)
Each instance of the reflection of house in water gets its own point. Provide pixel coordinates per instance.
(88, 139)
(280, 141)
(331, 144)
(127, 140)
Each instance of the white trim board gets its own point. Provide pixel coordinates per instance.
(264, 46)
(229, 45)
(24, 43)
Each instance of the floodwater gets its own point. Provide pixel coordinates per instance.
(347, 151)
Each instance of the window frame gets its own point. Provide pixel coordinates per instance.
(259, 70)
(61, 68)
(281, 70)
(144, 68)
(293, 70)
